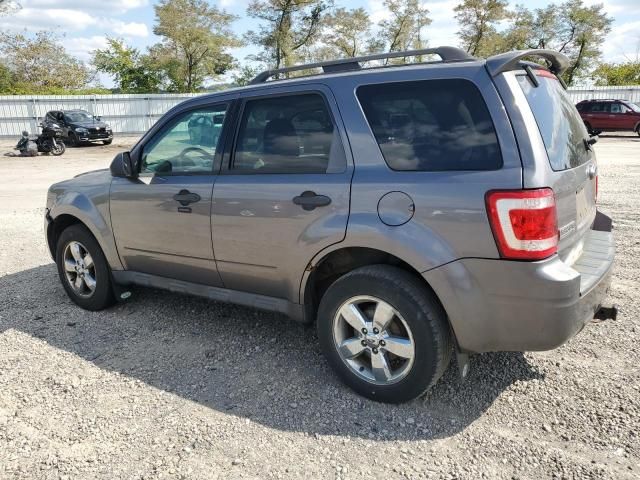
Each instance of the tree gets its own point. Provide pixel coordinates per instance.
(582, 31)
(347, 33)
(478, 20)
(626, 73)
(40, 64)
(245, 74)
(530, 28)
(402, 31)
(195, 43)
(131, 71)
(6, 79)
(572, 28)
(289, 26)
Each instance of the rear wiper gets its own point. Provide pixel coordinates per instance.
(588, 142)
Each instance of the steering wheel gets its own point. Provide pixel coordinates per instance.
(185, 160)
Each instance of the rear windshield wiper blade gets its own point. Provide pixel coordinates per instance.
(588, 142)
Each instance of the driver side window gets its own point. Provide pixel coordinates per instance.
(187, 145)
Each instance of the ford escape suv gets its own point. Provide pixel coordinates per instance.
(411, 211)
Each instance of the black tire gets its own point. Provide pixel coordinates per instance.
(59, 149)
(72, 140)
(107, 142)
(638, 130)
(420, 309)
(102, 296)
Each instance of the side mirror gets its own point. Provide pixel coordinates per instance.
(124, 166)
(98, 118)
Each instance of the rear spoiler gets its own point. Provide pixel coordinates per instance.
(511, 61)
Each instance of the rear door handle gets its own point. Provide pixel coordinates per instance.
(308, 200)
(185, 197)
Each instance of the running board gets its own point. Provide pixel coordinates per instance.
(293, 310)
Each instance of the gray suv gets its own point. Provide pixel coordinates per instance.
(411, 211)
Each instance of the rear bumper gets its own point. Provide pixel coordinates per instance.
(499, 305)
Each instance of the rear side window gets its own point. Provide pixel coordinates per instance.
(431, 125)
(288, 134)
(560, 125)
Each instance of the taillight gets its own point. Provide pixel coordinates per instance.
(524, 223)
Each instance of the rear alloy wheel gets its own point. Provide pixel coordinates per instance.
(83, 269)
(373, 340)
(384, 333)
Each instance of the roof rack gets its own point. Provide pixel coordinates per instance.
(447, 54)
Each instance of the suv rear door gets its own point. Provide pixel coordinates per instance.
(283, 192)
(565, 162)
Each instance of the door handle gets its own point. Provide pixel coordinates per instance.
(185, 197)
(309, 200)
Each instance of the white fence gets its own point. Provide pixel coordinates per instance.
(631, 93)
(137, 113)
(124, 113)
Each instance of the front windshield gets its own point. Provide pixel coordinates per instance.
(634, 107)
(78, 117)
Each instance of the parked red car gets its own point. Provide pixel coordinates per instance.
(607, 115)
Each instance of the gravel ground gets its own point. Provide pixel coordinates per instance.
(167, 386)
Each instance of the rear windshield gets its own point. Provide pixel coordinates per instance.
(431, 125)
(560, 125)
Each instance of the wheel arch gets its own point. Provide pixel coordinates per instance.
(334, 264)
(80, 210)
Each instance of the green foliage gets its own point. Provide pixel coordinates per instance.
(478, 20)
(402, 31)
(131, 72)
(195, 41)
(288, 28)
(40, 65)
(571, 27)
(347, 33)
(245, 74)
(627, 73)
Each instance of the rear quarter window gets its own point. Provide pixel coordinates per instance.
(563, 131)
(431, 125)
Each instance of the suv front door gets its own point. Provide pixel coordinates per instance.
(162, 219)
(283, 192)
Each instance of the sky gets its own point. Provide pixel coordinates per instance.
(85, 25)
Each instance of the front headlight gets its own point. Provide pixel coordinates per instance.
(81, 130)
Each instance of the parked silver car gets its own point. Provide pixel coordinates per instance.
(411, 211)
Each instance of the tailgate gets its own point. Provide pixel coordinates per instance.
(573, 172)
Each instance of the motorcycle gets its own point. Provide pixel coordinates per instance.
(49, 141)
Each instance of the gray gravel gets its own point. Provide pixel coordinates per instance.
(167, 386)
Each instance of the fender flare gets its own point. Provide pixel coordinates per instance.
(79, 206)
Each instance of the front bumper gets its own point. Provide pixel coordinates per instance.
(94, 137)
(500, 305)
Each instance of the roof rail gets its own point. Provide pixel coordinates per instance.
(447, 54)
(511, 60)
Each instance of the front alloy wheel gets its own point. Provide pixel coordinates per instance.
(83, 268)
(79, 269)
